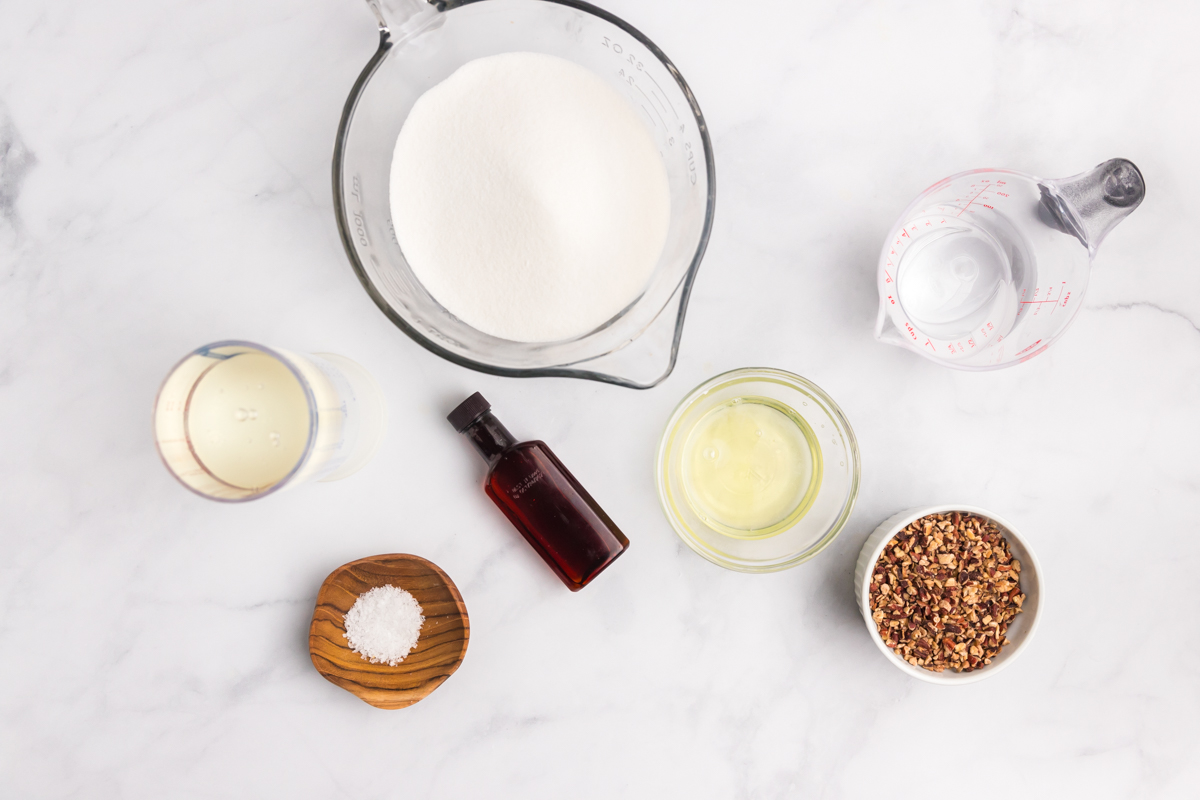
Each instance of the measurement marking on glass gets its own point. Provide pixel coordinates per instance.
(660, 119)
(664, 94)
(619, 49)
(654, 95)
(1062, 295)
(977, 195)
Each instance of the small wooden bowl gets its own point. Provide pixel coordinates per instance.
(440, 648)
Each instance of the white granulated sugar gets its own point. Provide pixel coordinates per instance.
(529, 198)
(383, 625)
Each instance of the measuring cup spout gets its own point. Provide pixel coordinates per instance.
(399, 16)
(885, 329)
(1090, 204)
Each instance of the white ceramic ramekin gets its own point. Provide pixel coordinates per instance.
(1020, 632)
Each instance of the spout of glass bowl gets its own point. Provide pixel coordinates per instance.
(399, 18)
(885, 329)
(646, 360)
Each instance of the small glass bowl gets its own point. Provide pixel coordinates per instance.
(802, 535)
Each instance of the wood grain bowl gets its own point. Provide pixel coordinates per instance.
(439, 650)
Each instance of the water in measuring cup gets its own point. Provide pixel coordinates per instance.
(957, 277)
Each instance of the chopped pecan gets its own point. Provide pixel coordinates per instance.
(938, 618)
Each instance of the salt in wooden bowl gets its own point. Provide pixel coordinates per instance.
(440, 648)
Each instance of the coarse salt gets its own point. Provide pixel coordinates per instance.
(384, 624)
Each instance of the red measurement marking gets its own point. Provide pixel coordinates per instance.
(889, 276)
(1061, 292)
(937, 185)
(1047, 300)
(1031, 355)
(1027, 349)
(973, 199)
(931, 347)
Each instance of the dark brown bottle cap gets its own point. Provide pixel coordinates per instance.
(468, 411)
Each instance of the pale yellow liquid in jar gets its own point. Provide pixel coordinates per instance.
(751, 467)
(247, 421)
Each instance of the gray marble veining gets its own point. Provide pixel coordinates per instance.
(15, 162)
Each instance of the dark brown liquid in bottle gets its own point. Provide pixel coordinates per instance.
(544, 502)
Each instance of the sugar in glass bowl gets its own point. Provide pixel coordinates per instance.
(420, 45)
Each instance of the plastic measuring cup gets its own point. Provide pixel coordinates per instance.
(987, 268)
(420, 45)
(316, 417)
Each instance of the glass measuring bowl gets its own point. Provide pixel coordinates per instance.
(420, 45)
(987, 268)
(817, 518)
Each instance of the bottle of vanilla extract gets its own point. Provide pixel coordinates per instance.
(541, 498)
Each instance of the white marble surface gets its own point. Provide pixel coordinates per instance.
(164, 182)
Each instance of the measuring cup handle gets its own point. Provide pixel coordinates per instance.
(1091, 203)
